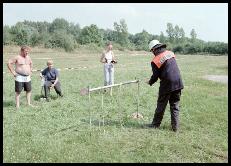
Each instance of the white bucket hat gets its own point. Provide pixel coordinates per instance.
(156, 44)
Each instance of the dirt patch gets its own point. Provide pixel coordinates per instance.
(217, 78)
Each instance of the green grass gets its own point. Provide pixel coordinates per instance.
(59, 131)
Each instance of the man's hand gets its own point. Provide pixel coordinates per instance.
(52, 86)
(147, 81)
(113, 61)
(15, 74)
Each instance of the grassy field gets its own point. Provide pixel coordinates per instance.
(59, 131)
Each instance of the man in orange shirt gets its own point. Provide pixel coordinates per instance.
(165, 68)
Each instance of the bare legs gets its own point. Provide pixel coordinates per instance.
(17, 98)
(17, 95)
(28, 95)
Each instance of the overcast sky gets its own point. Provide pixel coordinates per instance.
(210, 20)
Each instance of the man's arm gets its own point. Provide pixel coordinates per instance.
(31, 65)
(155, 74)
(40, 74)
(56, 78)
(113, 58)
(10, 65)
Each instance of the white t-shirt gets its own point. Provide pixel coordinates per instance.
(108, 56)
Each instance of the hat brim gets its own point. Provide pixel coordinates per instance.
(158, 46)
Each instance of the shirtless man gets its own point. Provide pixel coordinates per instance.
(22, 73)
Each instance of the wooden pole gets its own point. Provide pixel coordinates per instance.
(89, 105)
(109, 86)
(138, 94)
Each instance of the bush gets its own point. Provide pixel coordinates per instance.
(92, 47)
(216, 48)
(117, 46)
(62, 40)
(7, 37)
(35, 39)
(91, 34)
(178, 49)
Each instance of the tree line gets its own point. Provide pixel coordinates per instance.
(69, 36)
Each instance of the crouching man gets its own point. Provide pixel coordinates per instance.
(51, 76)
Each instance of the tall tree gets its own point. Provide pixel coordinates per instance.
(75, 30)
(109, 35)
(193, 35)
(182, 35)
(141, 40)
(162, 38)
(170, 32)
(59, 24)
(91, 34)
(121, 33)
(176, 33)
(21, 34)
(6, 35)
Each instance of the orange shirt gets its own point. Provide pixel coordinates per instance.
(162, 57)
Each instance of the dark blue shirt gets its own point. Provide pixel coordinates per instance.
(50, 74)
(169, 75)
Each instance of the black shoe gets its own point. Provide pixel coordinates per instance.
(175, 130)
(48, 99)
(153, 126)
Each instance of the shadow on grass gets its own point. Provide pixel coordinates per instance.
(131, 123)
(37, 97)
(8, 103)
(73, 128)
(128, 123)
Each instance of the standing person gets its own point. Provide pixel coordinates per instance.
(22, 74)
(165, 68)
(51, 76)
(109, 60)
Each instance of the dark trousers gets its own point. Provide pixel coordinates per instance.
(57, 88)
(173, 98)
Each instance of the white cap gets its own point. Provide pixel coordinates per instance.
(154, 43)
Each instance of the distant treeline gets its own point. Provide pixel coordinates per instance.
(62, 34)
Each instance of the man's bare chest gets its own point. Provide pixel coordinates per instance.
(23, 61)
